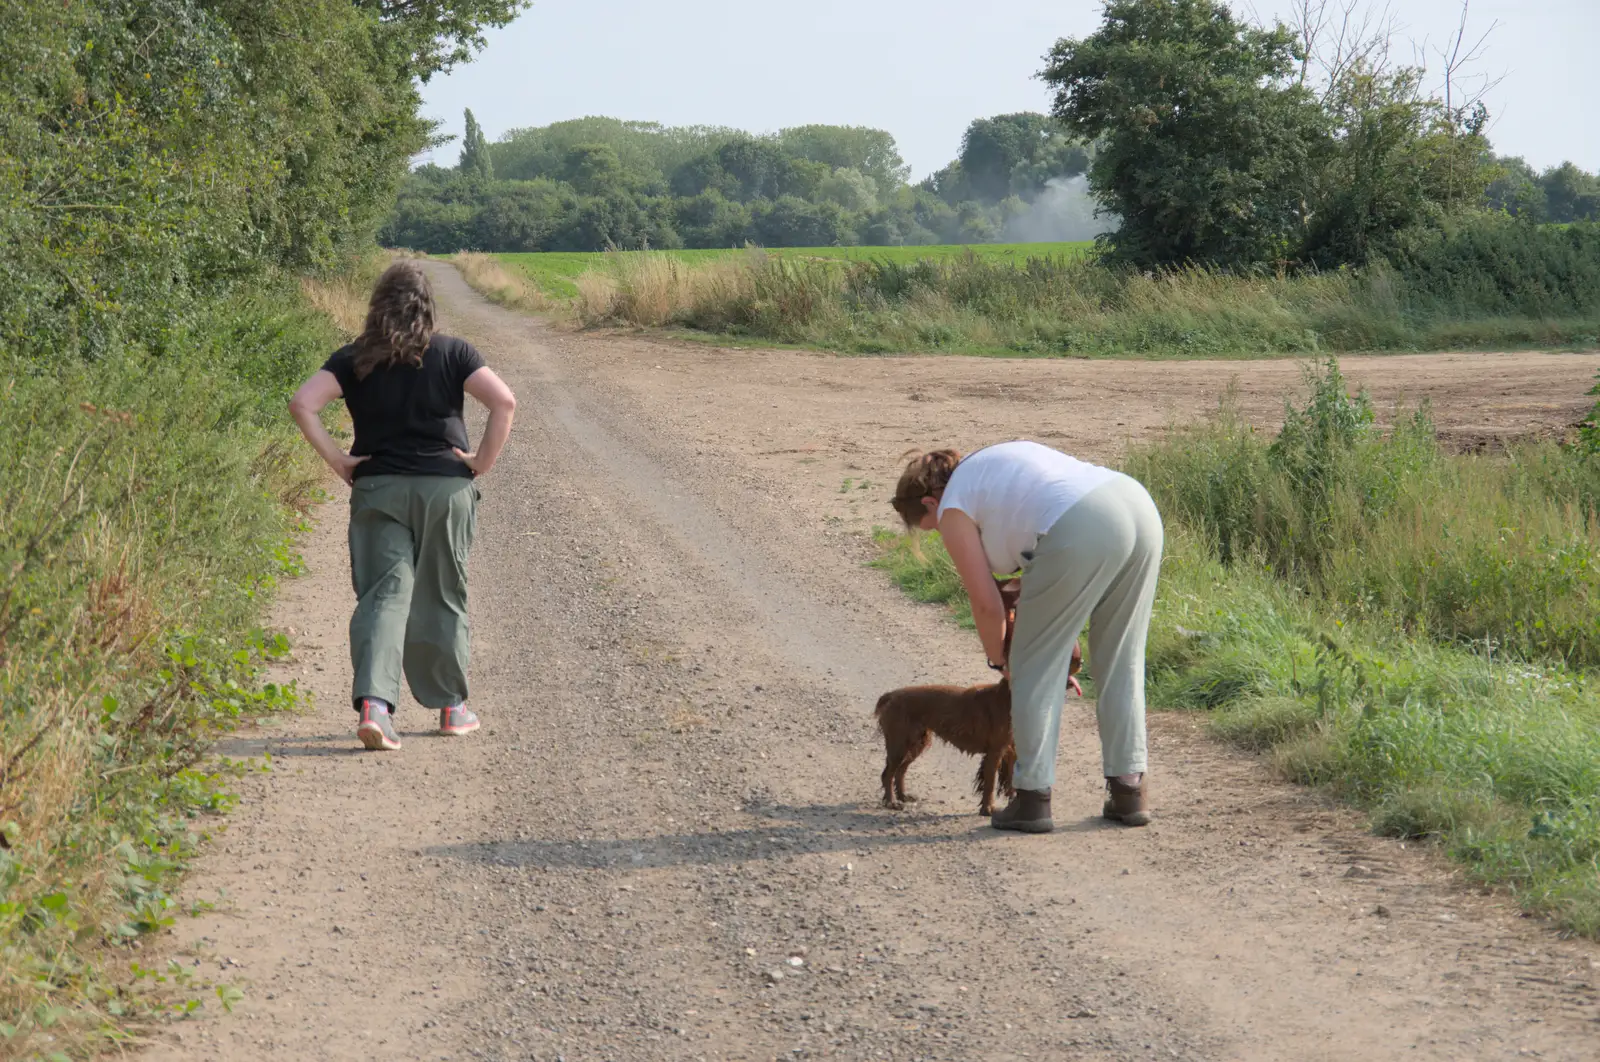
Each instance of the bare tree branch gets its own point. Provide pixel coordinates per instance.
(1339, 35)
(1463, 92)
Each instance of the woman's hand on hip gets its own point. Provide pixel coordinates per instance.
(345, 466)
(474, 462)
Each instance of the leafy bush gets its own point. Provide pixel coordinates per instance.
(1295, 499)
(146, 508)
(1492, 265)
(157, 153)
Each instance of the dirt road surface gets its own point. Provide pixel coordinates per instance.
(665, 841)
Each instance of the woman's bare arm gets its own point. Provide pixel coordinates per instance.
(965, 546)
(492, 391)
(306, 408)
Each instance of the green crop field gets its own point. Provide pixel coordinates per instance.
(554, 271)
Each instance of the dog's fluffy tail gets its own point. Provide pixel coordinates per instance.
(883, 705)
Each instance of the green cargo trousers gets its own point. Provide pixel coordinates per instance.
(409, 538)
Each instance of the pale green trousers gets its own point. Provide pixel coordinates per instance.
(1098, 566)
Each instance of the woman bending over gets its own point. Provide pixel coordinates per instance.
(1088, 542)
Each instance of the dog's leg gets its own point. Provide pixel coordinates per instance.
(891, 765)
(986, 772)
(915, 748)
(1008, 761)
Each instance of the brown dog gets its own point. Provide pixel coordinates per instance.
(976, 720)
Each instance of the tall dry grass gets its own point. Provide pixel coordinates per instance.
(342, 300)
(595, 303)
(342, 296)
(487, 276)
(1080, 306)
(955, 304)
(653, 289)
(62, 638)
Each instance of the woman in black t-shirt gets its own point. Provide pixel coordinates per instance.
(413, 502)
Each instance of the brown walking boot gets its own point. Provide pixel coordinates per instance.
(1126, 803)
(1028, 812)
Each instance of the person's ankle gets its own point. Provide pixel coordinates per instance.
(1132, 781)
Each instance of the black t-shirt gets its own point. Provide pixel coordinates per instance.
(408, 418)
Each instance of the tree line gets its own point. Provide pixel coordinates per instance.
(1202, 137)
(1558, 195)
(599, 182)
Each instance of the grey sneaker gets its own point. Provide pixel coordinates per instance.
(456, 721)
(376, 729)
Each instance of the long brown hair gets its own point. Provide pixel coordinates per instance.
(400, 320)
(926, 475)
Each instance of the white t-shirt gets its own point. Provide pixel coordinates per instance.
(1015, 492)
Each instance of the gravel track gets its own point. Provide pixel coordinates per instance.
(665, 841)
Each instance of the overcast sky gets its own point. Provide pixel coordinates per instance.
(923, 69)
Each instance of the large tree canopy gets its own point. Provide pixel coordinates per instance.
(1213, 147)
(1207, 142)
(871, 152)
(994, 147)
(152, 151)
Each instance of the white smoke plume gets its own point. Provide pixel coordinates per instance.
(1064, 211)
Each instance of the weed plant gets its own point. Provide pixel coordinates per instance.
(1500, 552)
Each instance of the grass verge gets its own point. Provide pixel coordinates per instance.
(1495, 285)
(148, 503)
(556, 272)
(1500, 551)
(1472, 720)
(489, 278)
